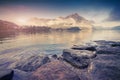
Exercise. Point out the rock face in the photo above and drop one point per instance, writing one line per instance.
(6, 74)
(55, 70)
(32, 63)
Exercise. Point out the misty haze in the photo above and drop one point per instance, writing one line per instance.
(59, 40)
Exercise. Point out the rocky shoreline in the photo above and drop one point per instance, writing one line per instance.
(98, 60)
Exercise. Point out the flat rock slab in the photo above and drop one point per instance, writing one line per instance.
(84, 47)
(6, 74)
(31, 64)
(55, 70)
(108, 50)
(108, 47)
(105, 43)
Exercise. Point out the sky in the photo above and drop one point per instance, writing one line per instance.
(102, 12)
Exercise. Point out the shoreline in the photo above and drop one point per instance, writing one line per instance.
(98, 60)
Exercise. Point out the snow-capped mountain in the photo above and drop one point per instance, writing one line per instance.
(73, 20)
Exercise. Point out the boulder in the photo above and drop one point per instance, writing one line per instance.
(32, 63)
(6, 74)
(78, 58)
(55, 70)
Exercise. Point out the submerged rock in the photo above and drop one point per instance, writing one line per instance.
(6, 74)
(32, 63)
(55, 70)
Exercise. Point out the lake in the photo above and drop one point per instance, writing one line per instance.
(51, 42)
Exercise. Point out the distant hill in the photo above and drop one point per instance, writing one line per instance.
(7, 26)
(116, 28)
(106, 28)
(63, 22)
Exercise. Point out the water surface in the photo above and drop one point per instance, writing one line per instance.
(52, 42)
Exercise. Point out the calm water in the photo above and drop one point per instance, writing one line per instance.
(51, 43)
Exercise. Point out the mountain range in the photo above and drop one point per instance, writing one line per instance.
(73, 20)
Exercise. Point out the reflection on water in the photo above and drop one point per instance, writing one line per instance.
(6, 35)
(106, 35)
(52, 42)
